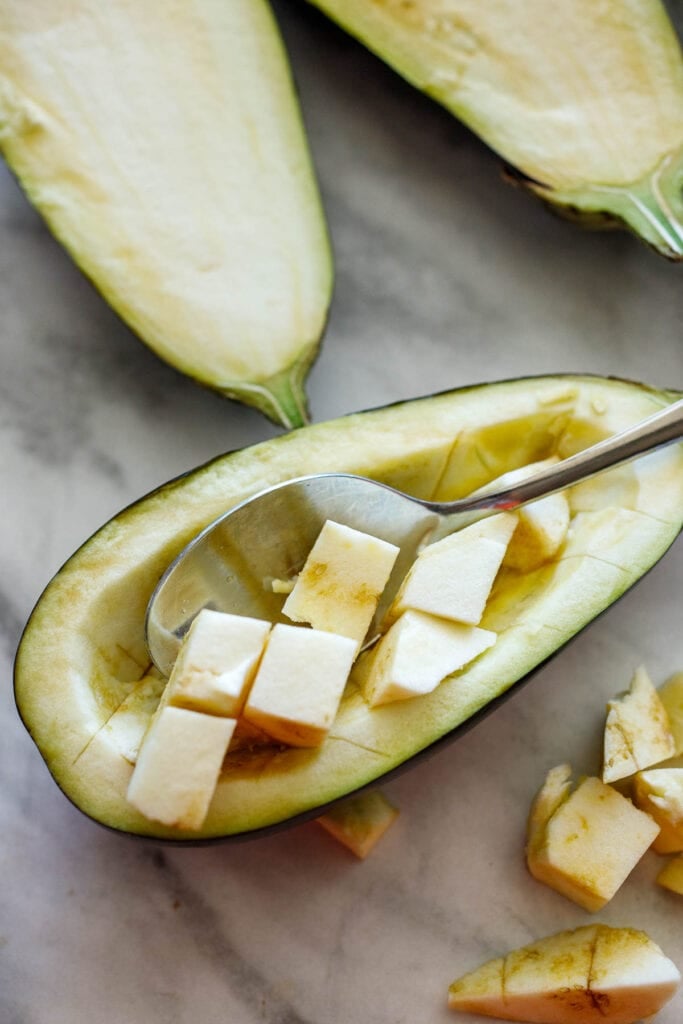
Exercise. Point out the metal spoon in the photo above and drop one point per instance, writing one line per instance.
(231, 564)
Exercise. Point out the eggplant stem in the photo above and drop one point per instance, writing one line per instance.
(282, 397)
(652, 207)
(654, 189)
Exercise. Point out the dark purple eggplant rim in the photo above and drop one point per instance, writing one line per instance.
(427, 752)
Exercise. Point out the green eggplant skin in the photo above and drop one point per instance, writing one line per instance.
(584, 100)
(165, 149)
(83, 683)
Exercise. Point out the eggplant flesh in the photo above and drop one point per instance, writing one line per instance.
(83, 682)
(163, 144)
(583, 99)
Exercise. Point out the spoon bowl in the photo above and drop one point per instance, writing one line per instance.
(242, 561)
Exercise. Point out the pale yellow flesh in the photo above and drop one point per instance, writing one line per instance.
(163, 144)
(671, 696)
(659, 793)
(341, 582)
(299, 684)
(453, 577)
(590, 975)
(417, 653)
(637, 732)
(217, 663)
(671, 876)
(83, 652)
(360, 822)
(571, 94)
(540, 534)
(178, 766)
(589, 842)
(553, 793)
(584, 99)
(542, 526)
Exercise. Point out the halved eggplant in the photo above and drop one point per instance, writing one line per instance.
(84, 687)
(583, 99)
(163, 145)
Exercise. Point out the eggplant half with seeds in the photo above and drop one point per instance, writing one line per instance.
(84, 685)
(163, 145)
(583, 99)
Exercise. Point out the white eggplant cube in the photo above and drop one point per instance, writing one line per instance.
(453, 577)
(542, 526)
(659, 792)
(299, 684)
(584, 844)
(418, 652)
(541, 532)
(217, 663)
(342, 580)
(178, 766)
(637, 731)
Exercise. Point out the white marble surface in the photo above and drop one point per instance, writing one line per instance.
(445, 276)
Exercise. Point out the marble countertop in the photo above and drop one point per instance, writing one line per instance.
(445, 276)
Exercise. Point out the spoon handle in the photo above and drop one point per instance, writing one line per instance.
(662, 428)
